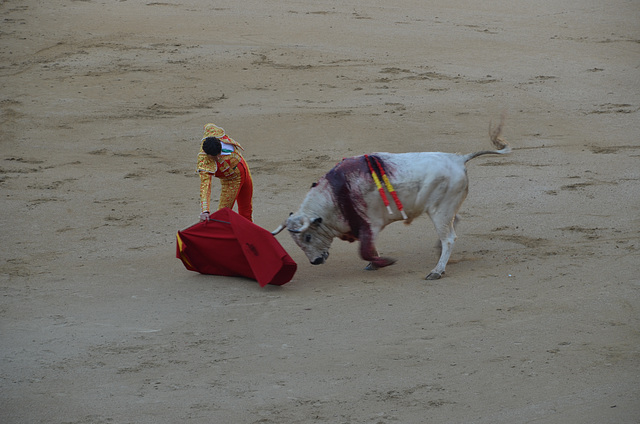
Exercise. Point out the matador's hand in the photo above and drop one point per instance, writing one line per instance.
(204, 216)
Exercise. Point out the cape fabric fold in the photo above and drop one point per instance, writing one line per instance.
(231, 245)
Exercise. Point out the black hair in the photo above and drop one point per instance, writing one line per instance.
(212, 146)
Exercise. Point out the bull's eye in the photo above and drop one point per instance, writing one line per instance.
(307, 238)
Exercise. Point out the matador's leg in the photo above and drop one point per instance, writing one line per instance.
(229, 192)
(245, 195)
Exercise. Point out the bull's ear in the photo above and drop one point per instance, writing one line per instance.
(317, 220)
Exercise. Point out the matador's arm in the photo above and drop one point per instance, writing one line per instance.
(205, 190)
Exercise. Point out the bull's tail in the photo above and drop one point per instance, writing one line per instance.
(496, 138)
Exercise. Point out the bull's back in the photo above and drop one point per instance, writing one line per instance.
(420, 166)
(424, 178)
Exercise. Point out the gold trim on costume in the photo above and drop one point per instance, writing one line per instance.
(207, 163)
(205, 191)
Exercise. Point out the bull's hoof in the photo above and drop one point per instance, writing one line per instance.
(382, 262)
(379, 263)
(433, 276)
(370, 267)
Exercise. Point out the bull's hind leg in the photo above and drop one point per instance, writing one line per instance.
(456, 220)
(444, 224)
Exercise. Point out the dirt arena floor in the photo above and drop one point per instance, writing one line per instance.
(102, 106)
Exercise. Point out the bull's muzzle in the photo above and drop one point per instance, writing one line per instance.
(320, 259)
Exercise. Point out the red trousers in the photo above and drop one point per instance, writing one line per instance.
(238, 189)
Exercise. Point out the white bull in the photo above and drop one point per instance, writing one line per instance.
(345, 203)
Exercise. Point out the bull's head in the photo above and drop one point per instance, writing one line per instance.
(309, 235)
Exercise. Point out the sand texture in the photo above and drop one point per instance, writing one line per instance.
(102, 104)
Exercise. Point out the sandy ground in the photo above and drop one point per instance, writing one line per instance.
(102, 105)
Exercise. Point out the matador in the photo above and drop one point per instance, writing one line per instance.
(221, 156)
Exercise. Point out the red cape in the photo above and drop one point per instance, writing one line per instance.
(231, 245)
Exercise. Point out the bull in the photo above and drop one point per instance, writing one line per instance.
(346, 203)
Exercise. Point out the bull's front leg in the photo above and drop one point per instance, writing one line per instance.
(371, 266)
(368, 251)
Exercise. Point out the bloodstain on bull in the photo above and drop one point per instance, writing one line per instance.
(346, 181)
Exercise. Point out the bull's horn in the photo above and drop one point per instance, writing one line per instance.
(280, 228)
(306, 223)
